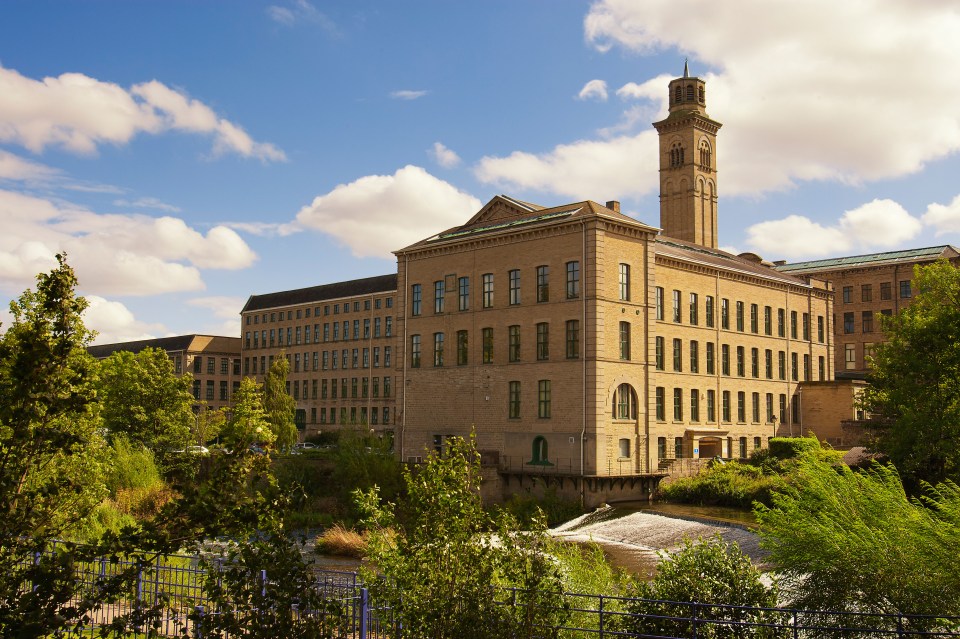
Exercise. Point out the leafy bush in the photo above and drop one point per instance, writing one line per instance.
(853, 541)
(730, 484)
(132, 467)
(792, 447)
(447, 560)
(710, 573)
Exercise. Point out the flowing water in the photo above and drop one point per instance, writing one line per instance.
(633, 537)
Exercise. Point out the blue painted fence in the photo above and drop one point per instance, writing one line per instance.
(175, 584)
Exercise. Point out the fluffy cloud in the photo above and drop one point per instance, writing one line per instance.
(407, 94)
(221, 306)
(377, 214)
(809, 95)
(79, 113)
(444, 156)
(600, 170)
(945, 218)
(880, 224)
(593, 90)
(114, 322)
(13, 167)
(112, 254)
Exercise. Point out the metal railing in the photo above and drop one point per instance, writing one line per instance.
(176, 586)
(571, 466)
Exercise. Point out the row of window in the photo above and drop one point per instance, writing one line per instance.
(696, 396)
(678, 451)
(342, 388)
(866, 321)
(543, 399)
(275, 316)
(461, 287)
(886, 292)
(323, 360)
(571, 343)
(211, 368)
(741, 361)
(351, 415)
(211, 388)
(294, 336)
(799, 322)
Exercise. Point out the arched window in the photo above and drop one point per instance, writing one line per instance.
(690, 92)
(625, 402)
(705, 155)
(539, 452)
(678, 94)
(702, 100)
(676, 155)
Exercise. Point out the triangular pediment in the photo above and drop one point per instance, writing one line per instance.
(502, 208)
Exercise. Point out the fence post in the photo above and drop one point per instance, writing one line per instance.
(694, 620)
(198, 624)
(899, 625)
(601, 616)
(36, 562)
(364, 611)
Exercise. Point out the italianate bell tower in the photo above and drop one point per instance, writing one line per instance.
(688, 164)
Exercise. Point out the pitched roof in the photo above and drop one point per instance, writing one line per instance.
(177, 343)
(335, 290)
(872, 259)
(503, 213)
(688, 251)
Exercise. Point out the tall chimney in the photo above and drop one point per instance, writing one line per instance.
(614, 206)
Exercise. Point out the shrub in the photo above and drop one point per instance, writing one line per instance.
(133, 466)
(792, 447)
(343, 542)
(716, 576)
(556, 509)
(730, 484)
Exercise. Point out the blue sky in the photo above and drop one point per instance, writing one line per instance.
(189, 154)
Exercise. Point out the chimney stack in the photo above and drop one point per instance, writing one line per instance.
(614, 206)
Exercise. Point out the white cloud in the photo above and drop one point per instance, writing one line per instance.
(301, 11)
(14, 167)
(265, 229)
(444, 156)
(112, 254)
(600, 170)
(945, 218)
(148, 203)
(221, 306)
(811, 94)
(880, 223)
(594, 90)
(114, 322)
(407, 94)
(79, 113)
(377, 214)
(876, 224)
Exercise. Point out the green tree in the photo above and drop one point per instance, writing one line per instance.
(853, 541)
(248, 423)
(445, 560)
(361, 461)
(143, 399)
(914, 392)
(52, 457)
(717, 577)
(280, 406)
(207, 425)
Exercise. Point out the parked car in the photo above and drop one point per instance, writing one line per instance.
(306, 446)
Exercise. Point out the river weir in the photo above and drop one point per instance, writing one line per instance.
(633, 539)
